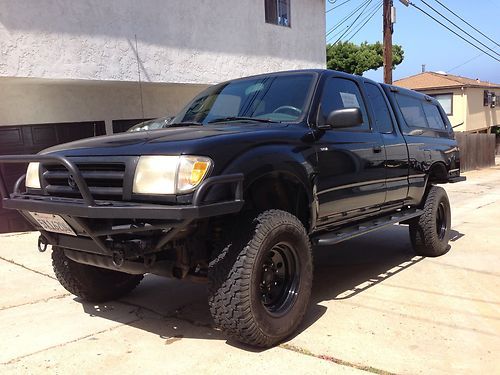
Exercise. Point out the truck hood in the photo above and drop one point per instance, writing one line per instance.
(169, 141)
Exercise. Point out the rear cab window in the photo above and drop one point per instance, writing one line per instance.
(412, 111)
(433, 116)
(420, 113)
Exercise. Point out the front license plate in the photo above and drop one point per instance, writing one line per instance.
(53, 223)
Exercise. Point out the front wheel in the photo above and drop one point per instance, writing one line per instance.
(430, 233)
(260, 282)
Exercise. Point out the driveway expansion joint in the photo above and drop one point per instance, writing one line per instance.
(337, 361)
(27, 268)
(17, 359)
(59, 296)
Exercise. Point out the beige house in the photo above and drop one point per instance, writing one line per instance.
(471, 104)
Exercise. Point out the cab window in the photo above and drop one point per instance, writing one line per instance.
(383, 118)
(340, 93)
(433, 116)
(412, 111)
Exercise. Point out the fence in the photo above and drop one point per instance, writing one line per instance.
(476, 150)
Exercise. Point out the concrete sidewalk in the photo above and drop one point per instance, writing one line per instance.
(375, 308)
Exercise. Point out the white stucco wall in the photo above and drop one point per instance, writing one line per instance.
(39, 101)
(188, 41)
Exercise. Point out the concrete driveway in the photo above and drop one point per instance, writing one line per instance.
(375, 308)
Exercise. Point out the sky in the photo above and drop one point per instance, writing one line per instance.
(426, 42)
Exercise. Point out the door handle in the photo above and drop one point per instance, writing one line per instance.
(377, 149)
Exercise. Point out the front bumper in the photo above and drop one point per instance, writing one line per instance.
(88, 207)
(104, 209)
(93, 219)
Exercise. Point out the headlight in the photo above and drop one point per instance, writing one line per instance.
(169, 174)
(32, 176)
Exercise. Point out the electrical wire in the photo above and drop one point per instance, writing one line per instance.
(456, 15)
(367, 13)
(366, 20)
(347, 17)
(458, 27)
(333, 36)
(460, 36)
(355, 20)
(335, 7)
(465, 62)
(370, 12)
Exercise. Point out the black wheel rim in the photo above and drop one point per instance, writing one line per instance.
(279, 280)
(441, 220)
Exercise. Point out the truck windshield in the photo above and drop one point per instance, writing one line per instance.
(275, 98)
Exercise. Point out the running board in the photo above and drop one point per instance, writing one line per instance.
(363, 227)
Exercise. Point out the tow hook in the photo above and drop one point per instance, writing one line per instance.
(42, 243)
(118, 258)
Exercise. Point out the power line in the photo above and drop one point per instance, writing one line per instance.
(456, 15)
(353, 22)
(362, 22)
(347, 17)
(368, 18)
(335, 7)
(458, 27)
(466, 62)
(338, 33)
(460, 36)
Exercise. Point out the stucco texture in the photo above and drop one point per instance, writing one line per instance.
(189, 41)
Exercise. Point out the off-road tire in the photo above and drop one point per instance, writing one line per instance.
(91, 283)
(430, 233)
(244, 263)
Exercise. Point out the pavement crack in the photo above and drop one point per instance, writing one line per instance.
(486, 204)
(27, 268)
(59, 296)
(335, 360)
(17, 359)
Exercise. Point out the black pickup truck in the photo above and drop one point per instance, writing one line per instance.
(238, 188)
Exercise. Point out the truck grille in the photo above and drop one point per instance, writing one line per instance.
(105, 180)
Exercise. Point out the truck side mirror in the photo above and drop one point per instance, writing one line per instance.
(343, 118)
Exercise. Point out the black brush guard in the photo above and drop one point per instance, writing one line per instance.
(79, 212)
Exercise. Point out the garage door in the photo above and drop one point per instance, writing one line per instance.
(30, 139)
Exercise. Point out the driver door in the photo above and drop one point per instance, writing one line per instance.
(351, 173)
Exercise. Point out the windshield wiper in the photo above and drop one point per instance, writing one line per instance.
(240, 118)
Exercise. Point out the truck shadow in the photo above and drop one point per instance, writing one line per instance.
(174, 310)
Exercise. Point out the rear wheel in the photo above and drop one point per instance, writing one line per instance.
(260, 282)
(430, 233)
(91, 283)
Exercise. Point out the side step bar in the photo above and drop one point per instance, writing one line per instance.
(345, 233)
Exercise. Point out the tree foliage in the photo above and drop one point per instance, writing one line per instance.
(356, 59)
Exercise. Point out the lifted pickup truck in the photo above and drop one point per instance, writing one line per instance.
(244, 181)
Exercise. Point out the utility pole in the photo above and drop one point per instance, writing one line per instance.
(388, 20)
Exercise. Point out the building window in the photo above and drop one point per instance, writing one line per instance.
(278, 12)
(446, 101)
